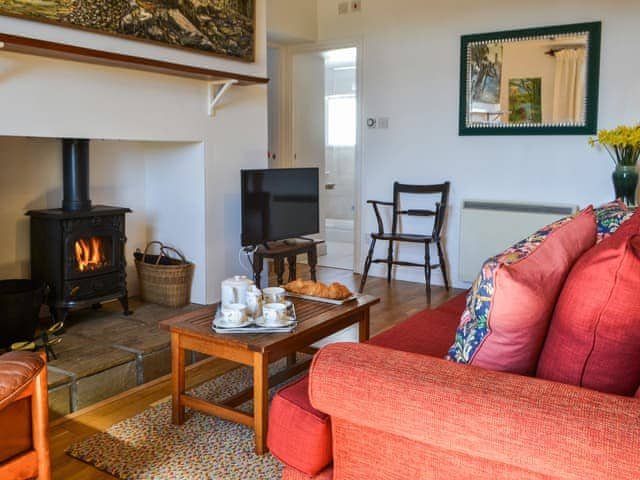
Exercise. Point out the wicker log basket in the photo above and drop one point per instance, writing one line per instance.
(164, 279)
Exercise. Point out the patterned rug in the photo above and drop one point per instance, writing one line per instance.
(147, 446)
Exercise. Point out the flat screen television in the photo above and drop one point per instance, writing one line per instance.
(279, 203)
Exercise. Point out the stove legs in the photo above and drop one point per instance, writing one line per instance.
(124, 301)
(59, 314)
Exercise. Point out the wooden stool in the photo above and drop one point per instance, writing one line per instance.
(286, 250)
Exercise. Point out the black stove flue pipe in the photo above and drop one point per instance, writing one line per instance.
(75, 171)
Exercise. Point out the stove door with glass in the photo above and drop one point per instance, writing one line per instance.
(93, 253)
(80, 255)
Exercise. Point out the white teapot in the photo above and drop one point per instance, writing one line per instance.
(234, 290)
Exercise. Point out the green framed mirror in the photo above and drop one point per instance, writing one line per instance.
(536, 81)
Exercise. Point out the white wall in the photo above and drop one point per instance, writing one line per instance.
(31, 179)
(42, 97)
(174, 189)
(292, 21)
(411, 74)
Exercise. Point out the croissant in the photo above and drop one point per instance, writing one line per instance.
(338, 291)
(335, 291)
(295, 286)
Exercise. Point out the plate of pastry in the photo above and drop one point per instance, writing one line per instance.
(335, 293)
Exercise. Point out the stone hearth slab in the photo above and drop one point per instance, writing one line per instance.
(151, 313)
(60, 385)
(127, 332)
(105, 384)
(82, 357)
(104, 352)
(56, 378)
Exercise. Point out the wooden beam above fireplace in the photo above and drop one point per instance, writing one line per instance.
(44, 48)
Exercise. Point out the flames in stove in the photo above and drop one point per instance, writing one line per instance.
(90, 254)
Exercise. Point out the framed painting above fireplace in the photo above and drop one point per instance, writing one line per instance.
(217, 27)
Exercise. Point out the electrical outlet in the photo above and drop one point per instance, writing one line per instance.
(383, 123)
(356, 5)
(343, 8)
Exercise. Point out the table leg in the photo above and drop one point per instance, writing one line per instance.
(312, 259)
(260, 408)
(279, 266)
(177, 380)
(291, 359)
(292, 267)
(363, 326)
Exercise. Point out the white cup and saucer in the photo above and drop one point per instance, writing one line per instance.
(274, 315)
(233, 315)
(273, 295)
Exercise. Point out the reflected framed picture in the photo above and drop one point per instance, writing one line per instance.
(217, 27)
(486, 72)
(525, 100)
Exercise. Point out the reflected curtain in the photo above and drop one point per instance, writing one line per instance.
(569, 86)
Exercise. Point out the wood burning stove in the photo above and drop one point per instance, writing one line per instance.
(78, 250)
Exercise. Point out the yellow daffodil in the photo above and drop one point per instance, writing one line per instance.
(621, 143)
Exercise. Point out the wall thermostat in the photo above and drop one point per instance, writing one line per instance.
(371, 122)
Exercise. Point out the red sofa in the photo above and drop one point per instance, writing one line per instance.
(394, 409)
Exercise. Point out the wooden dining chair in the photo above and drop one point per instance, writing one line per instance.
(438, 213)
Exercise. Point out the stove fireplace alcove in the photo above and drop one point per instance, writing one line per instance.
(78, 250)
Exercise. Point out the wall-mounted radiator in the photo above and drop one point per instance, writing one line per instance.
(488, 227)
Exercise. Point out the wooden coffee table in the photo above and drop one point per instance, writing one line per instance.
(192, 331)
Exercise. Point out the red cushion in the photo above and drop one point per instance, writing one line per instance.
(429, 332)
(511, 303)
(290, 473)
(298, 434)
(594, 337)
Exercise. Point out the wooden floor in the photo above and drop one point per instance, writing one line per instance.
(398, 300)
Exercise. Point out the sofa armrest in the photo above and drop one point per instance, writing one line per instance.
(547, 427)
(17, 370)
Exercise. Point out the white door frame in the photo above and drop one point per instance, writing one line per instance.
(287, 125)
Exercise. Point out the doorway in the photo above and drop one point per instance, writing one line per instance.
(324, 129)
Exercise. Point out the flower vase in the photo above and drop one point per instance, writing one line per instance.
(625, 181)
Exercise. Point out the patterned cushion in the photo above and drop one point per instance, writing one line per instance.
(299, 435)
(594, 336)
(511, 302)
(609, 218)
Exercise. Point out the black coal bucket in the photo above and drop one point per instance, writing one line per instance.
(20, 302)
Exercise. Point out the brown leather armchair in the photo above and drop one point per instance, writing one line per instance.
(24, 417)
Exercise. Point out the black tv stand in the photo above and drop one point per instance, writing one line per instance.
(279, 251)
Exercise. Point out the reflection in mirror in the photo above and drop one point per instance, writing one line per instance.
(530, 81)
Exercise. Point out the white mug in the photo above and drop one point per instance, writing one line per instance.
(234, 313)
(273, 314)
(273, 294)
